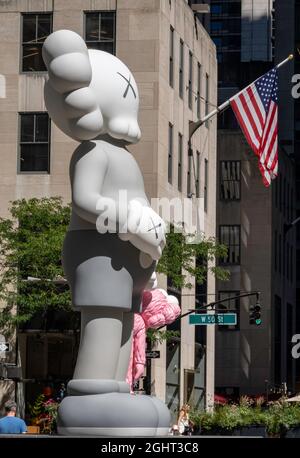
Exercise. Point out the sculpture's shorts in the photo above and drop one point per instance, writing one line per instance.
(102, 270)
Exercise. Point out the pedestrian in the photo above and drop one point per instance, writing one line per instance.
(185, 425)
(10, 424)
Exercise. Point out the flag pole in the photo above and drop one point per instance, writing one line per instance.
(193, 126)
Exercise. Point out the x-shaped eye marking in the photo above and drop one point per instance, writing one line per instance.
(129, 85)
(154, 227)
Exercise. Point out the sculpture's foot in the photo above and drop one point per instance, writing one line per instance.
(113, 414)
(79, 387)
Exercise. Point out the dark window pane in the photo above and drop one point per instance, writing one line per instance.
(92, 27)
(100, 31)
(230, 180)
(230, 236)
(41, 132)
(107, 27)
(36, 28)
(102, 46)
(27, 128)
(216, 9)
(34, 158)
(32, 58)
(29, 28)
(44, 27)
(170, 155)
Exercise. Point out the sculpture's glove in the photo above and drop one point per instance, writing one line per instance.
(145, 229)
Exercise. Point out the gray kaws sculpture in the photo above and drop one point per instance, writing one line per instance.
(93, 98)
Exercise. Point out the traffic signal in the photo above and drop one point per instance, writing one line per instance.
(255, 314)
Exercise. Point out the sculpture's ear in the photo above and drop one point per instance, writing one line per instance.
(67, 60)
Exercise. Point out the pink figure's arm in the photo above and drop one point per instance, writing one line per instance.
(139, 360)
(138, 332)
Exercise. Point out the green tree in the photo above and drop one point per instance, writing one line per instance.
(178, 259)
(30, 243)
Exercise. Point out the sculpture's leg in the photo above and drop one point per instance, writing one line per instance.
(98, 355)
(98, 403)
(125, 351)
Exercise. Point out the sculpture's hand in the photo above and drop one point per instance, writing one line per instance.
(145, 229)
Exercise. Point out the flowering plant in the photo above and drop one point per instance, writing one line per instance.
(44, 414)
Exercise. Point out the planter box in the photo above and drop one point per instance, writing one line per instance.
(292, 433)
(250, 431)
(217, 432)
(246, 431)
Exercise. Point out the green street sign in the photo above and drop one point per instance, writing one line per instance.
(203, 319)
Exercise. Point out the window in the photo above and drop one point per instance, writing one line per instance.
(230, 237)
(34, 142)
(190, 85)
(288, 261)
(189, 172)
(198, 175)
(283, 255)
(198, 90)
(288, 201)
(170, 155)
(100, 30)
(181, 68)
(205, 184)
(289, 335)
(171, 63)
(275, 250)
(279, 253)
(207, 94)
(277, 340)
(230, 180)
(280, 192)
(35, 30)
(179, 162)
(230, 306)
(284, 195)
(292, 265)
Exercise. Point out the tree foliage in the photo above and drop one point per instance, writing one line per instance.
(30, 243)
(178, 259)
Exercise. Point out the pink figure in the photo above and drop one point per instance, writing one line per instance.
(158, 309)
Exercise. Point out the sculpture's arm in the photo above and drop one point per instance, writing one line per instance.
(87, 180)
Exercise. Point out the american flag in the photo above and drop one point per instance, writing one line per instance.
(256, 109)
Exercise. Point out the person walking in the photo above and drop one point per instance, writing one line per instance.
(10, 424)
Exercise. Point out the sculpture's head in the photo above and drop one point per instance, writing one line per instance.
(89, 93)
